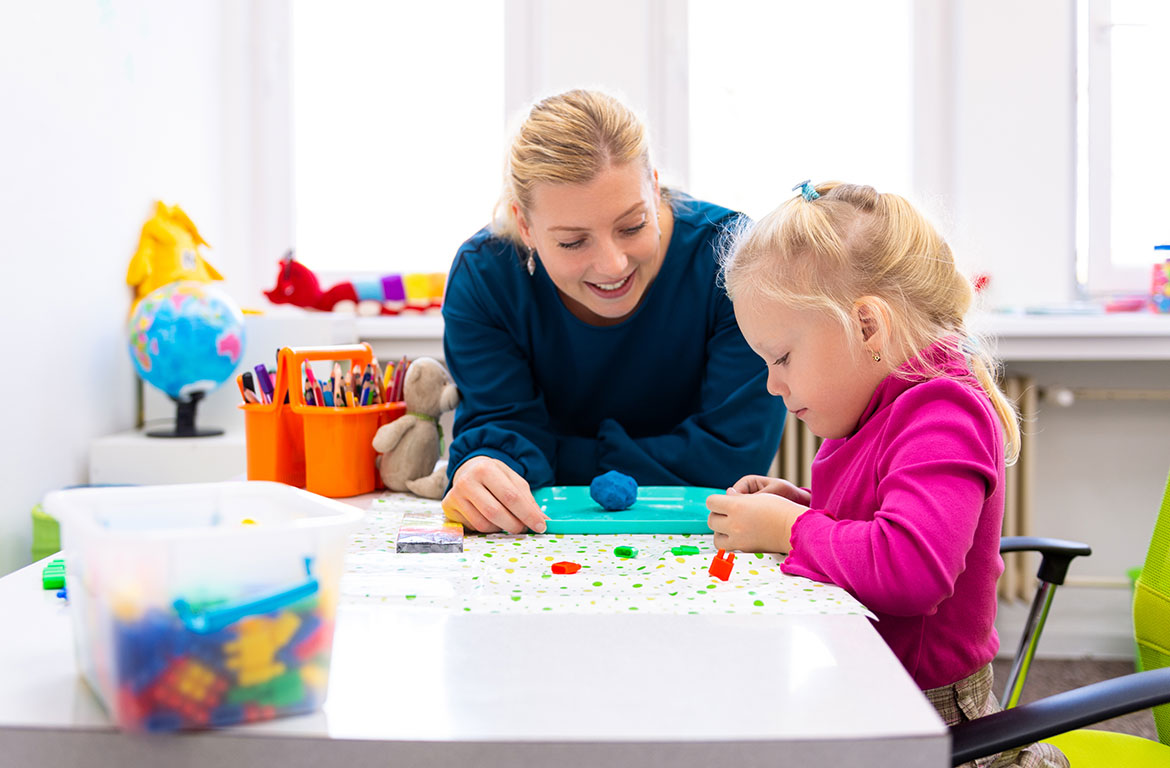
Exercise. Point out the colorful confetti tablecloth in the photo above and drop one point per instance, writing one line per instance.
(503, 573)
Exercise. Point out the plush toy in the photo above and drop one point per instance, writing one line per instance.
(409, 446)
(168, 250)
(296, 284)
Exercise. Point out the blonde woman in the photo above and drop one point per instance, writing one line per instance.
(586, 330)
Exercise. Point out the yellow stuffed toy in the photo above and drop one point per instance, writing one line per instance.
(168, 250)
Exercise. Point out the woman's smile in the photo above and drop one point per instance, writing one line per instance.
(614, 290)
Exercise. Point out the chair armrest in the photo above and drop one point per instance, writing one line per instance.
(1058, 714)
(1055, 554)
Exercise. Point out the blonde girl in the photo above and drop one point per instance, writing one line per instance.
(853, 301)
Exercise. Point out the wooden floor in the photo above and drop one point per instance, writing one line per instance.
(1049, 676)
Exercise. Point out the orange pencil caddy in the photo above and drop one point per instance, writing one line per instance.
(324, 449)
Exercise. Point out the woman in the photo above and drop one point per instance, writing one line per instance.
(586, 330)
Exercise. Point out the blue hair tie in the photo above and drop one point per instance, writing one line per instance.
(807, 190)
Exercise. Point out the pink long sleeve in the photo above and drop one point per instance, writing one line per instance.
(906, 515)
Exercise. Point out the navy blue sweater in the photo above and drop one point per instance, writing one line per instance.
(672, 395)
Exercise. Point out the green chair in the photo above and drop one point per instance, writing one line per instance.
(1053, 718)
(46, 534)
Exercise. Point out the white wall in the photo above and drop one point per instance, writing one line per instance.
(1100, 469)
(107, 106)
(996, 130)
(624, 47)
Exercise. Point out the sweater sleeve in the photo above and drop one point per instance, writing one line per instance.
(934, 474)
(734, 432)
(500, 413)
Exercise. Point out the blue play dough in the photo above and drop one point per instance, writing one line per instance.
(614, 491)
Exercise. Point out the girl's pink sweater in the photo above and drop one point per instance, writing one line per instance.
(906, 515)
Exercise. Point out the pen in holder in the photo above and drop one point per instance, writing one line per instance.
(324, 449)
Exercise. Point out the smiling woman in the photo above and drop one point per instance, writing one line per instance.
(603, 240)
(587, 332)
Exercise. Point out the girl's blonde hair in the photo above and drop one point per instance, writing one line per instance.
(567, 139)
(852, 242)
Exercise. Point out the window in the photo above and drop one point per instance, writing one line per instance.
(1123, 196)
(399, 110)
(782, 92)
(398, 130)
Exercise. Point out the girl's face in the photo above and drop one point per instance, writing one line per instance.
(825, 374)
(600, 242)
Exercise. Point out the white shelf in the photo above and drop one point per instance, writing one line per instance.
(407, 326)
(133, 458)
(412, 335)
(1118, 336)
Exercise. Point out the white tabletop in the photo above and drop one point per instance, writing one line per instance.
(428, 687)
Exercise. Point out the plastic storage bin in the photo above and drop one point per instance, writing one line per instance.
(324, 449)
(205, 605)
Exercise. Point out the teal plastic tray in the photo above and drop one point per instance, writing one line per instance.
(659, 509)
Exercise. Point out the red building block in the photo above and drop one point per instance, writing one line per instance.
(721, 565)
(565, 567)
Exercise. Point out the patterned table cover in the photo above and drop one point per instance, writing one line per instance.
(504, 573)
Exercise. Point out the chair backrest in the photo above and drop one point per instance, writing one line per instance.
(1151, 608)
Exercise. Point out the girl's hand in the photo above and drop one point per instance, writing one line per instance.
(753, 522)
(773, 485)
(487, 495)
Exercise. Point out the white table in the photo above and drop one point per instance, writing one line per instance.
(427, 687)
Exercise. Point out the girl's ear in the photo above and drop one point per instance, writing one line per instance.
(873, 323)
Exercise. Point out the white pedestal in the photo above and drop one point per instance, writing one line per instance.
(132, 457)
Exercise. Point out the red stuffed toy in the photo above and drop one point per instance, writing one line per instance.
(297, 285)
(387, 295)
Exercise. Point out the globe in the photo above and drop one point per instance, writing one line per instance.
(186, 338)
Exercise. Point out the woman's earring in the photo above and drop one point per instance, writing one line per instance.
(876, 357)
(531, 264)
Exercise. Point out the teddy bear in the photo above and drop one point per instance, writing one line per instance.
(409, 447)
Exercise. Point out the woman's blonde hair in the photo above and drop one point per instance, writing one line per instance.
(852, 242)
(567, 139)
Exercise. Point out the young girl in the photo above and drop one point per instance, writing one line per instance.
(853, 301)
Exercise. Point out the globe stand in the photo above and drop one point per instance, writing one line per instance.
(185, 421)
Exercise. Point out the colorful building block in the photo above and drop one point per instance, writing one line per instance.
(252, 655)
(53, 574)
(721, 565)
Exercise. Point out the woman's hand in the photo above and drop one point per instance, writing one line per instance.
(773, 485)
(487, 495)
(754, 522)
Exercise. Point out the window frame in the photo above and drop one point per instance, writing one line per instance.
(1097, 275)
(942, 158)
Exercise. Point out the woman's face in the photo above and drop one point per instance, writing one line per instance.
(600, 242)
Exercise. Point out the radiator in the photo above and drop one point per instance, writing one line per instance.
(1018, 581)
(798, 446)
